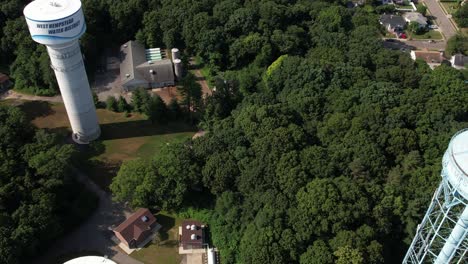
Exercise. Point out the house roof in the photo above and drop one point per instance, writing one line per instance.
(134, 64)
(392, 20)
(428, 56)
(157, 71)
(3, 77)
(460, 60)
(187, 232)
(416, 17)
(136, 224)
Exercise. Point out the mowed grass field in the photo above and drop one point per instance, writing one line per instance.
(122, 138)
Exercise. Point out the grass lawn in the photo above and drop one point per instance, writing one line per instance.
(451, 7)
(431, 34)
(122, 138)
(167, 251)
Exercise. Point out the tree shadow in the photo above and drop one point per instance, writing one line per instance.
(34, 109)
(167, 223)
(141, 128)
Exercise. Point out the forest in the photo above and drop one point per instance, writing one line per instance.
(321, 145)
(39, 201)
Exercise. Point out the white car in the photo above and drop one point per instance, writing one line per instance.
(433, 26)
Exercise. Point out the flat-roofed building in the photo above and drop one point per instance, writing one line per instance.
(193, 235)
(147, 68)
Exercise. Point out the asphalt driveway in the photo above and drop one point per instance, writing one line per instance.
(94, 234)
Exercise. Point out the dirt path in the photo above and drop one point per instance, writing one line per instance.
(93, 235)
(206, 91)
(10, 94)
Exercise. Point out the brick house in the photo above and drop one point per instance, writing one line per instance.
(133, 231)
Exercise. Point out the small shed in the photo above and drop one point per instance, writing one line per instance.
(193, 234)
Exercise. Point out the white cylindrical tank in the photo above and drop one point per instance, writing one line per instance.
(455, 169)
(59, 24)
(178, 69)
(211, 256)
(175, 54)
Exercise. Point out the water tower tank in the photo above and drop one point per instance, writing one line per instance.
(59, 24)
(442, 235)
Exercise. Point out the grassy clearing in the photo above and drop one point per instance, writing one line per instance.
(431, 34)
(122, 138)
(167, 250)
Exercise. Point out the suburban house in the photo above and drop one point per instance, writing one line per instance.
(147, 68)
(432, 58)
(415, 17)
(5, 82)
(192, 235)
(392, 23)
(459, 61)
(136, 229)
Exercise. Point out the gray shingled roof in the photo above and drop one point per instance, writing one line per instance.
(460, 60)
(392, 20)
(133, 65)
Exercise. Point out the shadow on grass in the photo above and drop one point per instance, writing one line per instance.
(34, 109)
(167, 223)
(102, 172)
(141, 128)
(169, 243)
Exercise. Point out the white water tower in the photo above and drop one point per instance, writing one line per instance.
(59, 24)
(442, 236)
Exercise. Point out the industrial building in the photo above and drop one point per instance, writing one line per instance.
(147, 68)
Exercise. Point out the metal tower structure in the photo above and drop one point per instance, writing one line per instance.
(59, 24)
(441, 237)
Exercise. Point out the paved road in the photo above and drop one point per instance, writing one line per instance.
(414, 44)
(448, 30)
(93, 235)
(423, 44)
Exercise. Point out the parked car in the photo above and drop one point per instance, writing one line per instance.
(433, 27)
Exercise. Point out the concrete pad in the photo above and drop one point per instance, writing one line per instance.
(195, 259)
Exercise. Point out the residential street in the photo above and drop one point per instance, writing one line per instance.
(448, 30)
(414, 44)
(93, 235)
(423, 44)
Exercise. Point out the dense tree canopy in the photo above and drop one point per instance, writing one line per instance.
(38, 199)
(321, 145)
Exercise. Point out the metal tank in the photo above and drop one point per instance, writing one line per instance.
(441, 237)
(175, 54)
(178, 69)
(59, 24)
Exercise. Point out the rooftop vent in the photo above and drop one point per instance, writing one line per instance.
(144, 218)
(150, 62)
(151, 71)
(193, 237)
(187, 227)
(193, 227)
(127, 75)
